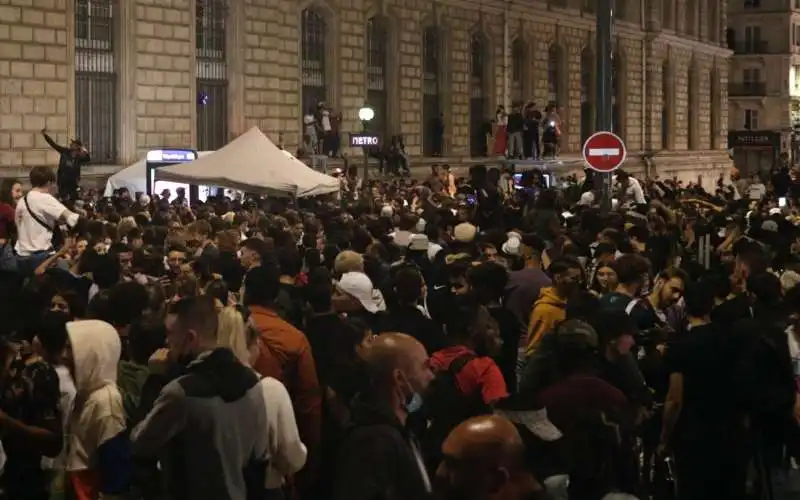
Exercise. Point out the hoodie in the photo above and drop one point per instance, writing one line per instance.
(209, 429)
(549, 310)
(98, 457)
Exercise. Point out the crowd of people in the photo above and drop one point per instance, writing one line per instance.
(454, 338)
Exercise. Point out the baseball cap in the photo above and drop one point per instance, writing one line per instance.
(359, 286)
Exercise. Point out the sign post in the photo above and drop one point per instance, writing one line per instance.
(604, 31)
(604, 152)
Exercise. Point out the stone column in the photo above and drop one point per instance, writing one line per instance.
(235, 49)
(125, 59)
(70, 42)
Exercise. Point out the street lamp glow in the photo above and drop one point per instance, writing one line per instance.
(366, 114)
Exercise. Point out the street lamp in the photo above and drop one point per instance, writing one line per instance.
(365, 114)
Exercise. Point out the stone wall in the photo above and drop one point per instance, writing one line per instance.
(33, 74)
(157, 70)
(164, 73)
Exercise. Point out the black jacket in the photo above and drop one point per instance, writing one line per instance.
(764, 376)
(411, 321)
(377, 458)
(69, 163)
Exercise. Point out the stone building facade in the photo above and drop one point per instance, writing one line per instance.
(765, 81)
(670, 58)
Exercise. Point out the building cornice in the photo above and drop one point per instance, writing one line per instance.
(690, 44)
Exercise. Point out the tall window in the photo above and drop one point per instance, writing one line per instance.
(377, 96)
(751, 119)
(588, 6)
(691, 19)
(96, 99)
(620, 11)
(431, 91)
(692, 111)
(517, 70)
(667, 14)
(314, 28)
(587, 94)
(714, 99)
(712, 18)
(616, 96)
(752, 39)
(554, 79)
(212, 74)
(478, 103)
(666, 104)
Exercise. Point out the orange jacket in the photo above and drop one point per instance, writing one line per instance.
(286, 355)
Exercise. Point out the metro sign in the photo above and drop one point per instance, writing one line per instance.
(604, 152)
(365, 140)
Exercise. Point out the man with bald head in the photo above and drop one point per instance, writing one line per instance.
(379, 458)
(483, 460)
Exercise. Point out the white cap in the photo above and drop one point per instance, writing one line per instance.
(359, 286)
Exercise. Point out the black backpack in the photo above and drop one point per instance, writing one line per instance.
(446, 407)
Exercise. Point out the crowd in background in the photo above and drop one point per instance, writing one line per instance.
(484, 337)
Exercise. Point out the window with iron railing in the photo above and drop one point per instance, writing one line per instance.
(314, 34)
(431, 90)
(478, 103)
(377, 81)
(96, 81)
(211, 73)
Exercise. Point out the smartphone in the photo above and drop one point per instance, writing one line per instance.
(782, 201)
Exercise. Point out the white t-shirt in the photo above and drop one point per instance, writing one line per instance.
(32, 236)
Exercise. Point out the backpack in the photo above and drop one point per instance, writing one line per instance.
(446, 406)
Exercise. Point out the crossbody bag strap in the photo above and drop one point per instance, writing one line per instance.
(36, 217)
(631, 305)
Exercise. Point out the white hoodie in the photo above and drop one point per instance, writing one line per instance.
(98, 415)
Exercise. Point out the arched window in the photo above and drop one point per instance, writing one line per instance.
(432, 143)
(554, 74)
(96, 88)
(211, 73)
(617, 98)
(587, 94)
(715, 109)
(377, 81)
(314, 35)
(666, 104)
(478, 96)
(692, 111)
(518, 70)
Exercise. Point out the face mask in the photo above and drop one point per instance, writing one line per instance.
(414, 403)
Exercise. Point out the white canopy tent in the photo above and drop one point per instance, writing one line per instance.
(253, 163)
(134, 177)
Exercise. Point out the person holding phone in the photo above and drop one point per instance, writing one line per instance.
(69, 166)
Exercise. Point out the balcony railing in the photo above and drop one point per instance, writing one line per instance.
(744, 89)
(750, 47)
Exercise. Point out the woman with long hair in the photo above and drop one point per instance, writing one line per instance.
(287, 453)
(10, 193)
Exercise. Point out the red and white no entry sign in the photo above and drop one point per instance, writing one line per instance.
(604, 152)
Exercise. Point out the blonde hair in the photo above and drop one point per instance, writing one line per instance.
(232, 333)
(348, 261)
